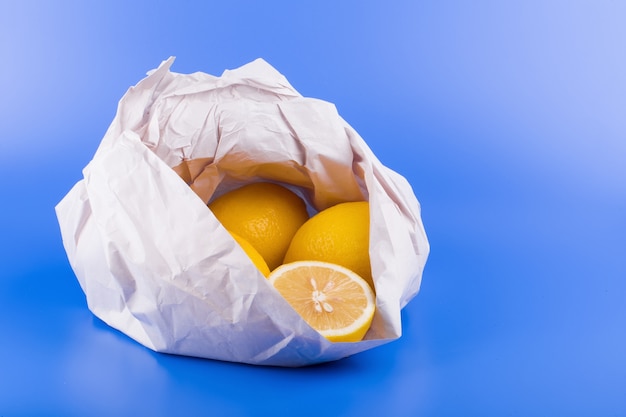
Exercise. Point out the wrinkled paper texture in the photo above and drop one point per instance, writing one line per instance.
(156, 264)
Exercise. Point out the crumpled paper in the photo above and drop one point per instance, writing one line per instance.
(156, 264)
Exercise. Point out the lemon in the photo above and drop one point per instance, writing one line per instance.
(265, 214)
(252, 253)
(339, 235)
(333, 300)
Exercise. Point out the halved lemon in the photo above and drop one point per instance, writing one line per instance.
(332, 299)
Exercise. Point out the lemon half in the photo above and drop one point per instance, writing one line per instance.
(333, 300)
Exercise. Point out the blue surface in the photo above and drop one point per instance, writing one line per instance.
(509, 121)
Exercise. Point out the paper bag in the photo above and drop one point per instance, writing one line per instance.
(156, 264)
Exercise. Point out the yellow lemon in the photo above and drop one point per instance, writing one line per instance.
(252, 253)
(333, 300)
(339, 235)
(265, 214)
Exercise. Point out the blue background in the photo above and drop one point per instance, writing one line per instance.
(507, 118)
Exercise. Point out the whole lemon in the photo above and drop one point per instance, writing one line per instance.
(252, 253)
(265, 214)
(339, 235)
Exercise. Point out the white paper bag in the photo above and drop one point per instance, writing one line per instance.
(156, 264)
